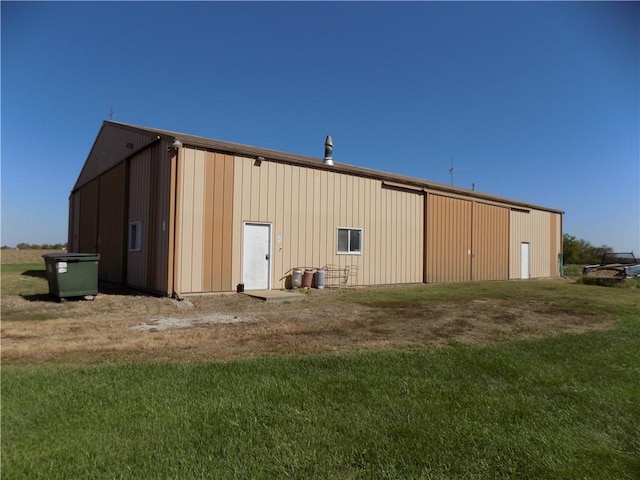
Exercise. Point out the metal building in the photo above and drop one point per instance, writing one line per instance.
(176, 214)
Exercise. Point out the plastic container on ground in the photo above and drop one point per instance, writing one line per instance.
(307, 278)
(296, 278)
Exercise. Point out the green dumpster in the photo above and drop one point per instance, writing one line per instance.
(72, 274)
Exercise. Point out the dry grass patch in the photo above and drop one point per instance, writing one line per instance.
(133, 328)
(127, 326)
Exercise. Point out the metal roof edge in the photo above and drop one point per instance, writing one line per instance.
(84, 165)
(105, 124)
(317, 163)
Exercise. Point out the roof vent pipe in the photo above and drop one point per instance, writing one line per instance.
(328, 151)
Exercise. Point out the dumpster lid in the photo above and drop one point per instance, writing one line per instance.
(69, 256)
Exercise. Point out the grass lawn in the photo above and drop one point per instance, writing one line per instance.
(563, 407)
(23, 279)
(566, 406)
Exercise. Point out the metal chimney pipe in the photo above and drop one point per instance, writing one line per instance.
(328, 151)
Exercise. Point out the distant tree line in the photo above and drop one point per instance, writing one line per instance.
(577, 251)
(35, 246)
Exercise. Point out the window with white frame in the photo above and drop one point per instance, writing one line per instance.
(349, 241)
(135, 236)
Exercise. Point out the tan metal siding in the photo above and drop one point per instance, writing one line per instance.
(555, 240)
(218, 193)
(532, 228)
(209, 232)
(448, 239)
(306, 206)
(112, 215)
(191, 214)
(205, 231)
(490, 251)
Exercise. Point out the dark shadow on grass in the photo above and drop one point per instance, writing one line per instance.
(40, 297)
(104, 288)
(35, 273)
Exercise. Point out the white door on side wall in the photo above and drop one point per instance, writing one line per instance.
(256, 260)
(524, 260)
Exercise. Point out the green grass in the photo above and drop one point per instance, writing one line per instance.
(564, 407)
(560, 295)
(573, 271)
(24, 279)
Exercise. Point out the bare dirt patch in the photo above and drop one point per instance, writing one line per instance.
(134, 327)
(125, 325)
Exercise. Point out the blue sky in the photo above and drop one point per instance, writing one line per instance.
(538, 102)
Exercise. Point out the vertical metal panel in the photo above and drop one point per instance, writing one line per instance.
(555, 241)
(197, 235)
(192, 211)
(149, 203)
(227, 224)
(531, 227)
(490, 251)
(215, 220)
(161, 209)
(73, 241)
(217, 197)
(111, 230)
(139, 196)
(159, 218)
(448, 239)
(88, 232)
(206, 218)
(208, 228)
(540, 258)
(308, 208)
(185, 213)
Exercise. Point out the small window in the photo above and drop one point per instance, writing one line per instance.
(350, 241)
(135, 236)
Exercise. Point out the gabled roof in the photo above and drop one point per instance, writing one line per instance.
(141, 136)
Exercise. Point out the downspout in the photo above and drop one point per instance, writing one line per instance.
(425, 233)
(472, 250)
(175, 249)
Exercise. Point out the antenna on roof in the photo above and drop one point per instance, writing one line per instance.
(451, 168)
(112, 115)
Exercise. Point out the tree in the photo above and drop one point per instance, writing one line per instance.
(46, 246)
(577, 251)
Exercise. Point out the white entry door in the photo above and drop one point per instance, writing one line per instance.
(256, 260)
(524, 260)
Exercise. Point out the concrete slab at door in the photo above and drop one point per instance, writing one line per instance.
(256, 260)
